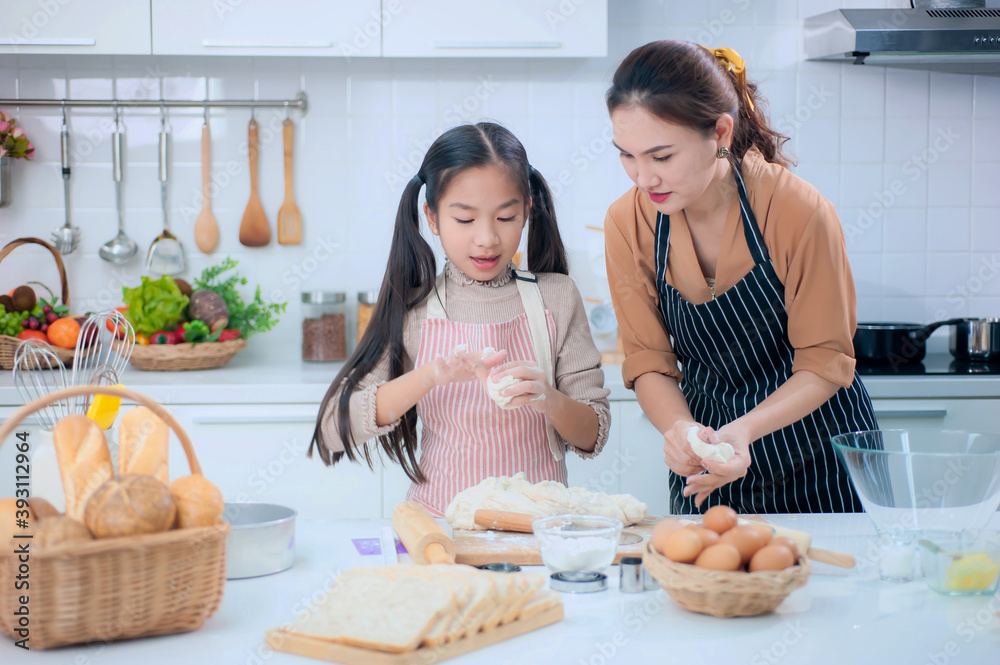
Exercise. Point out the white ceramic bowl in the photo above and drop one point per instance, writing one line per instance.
(577, 542)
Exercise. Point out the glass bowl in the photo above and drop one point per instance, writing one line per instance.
(577, 542)
(960, 563)
(911, 480)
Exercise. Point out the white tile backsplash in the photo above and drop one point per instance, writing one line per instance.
(882, 144)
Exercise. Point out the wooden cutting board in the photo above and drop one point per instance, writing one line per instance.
(481, 547)
(314, 647)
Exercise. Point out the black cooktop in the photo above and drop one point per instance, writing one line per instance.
(934, 364)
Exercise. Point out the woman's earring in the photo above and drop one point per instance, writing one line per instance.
(722, 152)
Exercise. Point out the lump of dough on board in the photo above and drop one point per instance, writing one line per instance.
(717, 452)
(515, 494)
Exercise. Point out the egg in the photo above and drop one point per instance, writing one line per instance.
(682, 546)
(771, 557)
(746, 539)
(719, 519)
(721, 556)
(708, 537)
(764, 530)
(661, 530)
(787, 542)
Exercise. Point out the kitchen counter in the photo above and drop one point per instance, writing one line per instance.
(838, 617)
(271, 375)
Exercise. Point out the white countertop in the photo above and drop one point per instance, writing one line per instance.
(838, 617)
(264, 374)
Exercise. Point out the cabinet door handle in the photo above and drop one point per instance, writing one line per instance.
(485, 45)
(253, 420)
(911, 413)
(215, 43)
(49, 41)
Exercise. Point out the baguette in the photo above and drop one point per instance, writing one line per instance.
(143, 440)
(84, 461)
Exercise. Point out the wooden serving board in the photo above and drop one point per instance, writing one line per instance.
(314, 647)
(481, 547)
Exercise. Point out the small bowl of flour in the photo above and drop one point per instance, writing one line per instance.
(577, 542)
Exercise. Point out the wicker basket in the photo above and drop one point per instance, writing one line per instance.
(116, 588)
(174, 357)
(723, 593)
(8, 344)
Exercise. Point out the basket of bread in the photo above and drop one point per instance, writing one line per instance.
(133, 556)
(722, 568)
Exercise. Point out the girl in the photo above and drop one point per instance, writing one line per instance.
(724, 264)
(429, 349)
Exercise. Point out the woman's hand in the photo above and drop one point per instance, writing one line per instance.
(533, 387)
(722, 473)
(461, 365)
(677, 451)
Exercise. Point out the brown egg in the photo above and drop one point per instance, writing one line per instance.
(682, 546)
(708, 537)
(661, 530)
(721, 556)
(787, 542)
(771, 557)
(763, 529)
(746, 539)
(719, 519)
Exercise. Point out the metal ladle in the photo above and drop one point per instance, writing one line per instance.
(121, 248)
(67, 237)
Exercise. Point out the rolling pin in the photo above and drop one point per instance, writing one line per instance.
(504, 521)
(422, 536)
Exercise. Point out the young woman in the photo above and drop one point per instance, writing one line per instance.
(436, 340)
(731, 285)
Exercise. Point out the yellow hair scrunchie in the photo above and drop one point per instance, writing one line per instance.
(733, 63)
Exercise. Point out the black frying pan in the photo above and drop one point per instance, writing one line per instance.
(894, 343)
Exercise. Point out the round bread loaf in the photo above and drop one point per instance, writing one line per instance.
(41, 508)
(130, 505)
(199, 502)
(54, 531)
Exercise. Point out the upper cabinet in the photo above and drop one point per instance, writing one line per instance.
(495, 28)
(116, 27)
(350, 28)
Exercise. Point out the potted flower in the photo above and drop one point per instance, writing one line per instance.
(13, 145)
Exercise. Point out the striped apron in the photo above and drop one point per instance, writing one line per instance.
(734, 352)
(465, 436)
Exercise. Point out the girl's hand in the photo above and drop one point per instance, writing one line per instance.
(532, 389)
(461, 365)
(677, 451)
(719, 473)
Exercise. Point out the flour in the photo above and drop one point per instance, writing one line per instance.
(584, 553)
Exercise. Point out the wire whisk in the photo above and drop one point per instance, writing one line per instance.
(37, 372)
(105, 345)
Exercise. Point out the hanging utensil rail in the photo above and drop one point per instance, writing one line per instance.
(301, 102)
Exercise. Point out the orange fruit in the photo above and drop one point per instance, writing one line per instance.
(121, 327)
(32, 334)
(63, 332)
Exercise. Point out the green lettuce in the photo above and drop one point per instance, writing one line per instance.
(154, 305)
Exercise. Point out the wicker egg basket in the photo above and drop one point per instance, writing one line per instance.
(724, 593)
(8, 344)
(116, 588)
(185, 356)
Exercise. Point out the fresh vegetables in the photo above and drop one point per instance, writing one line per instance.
(208, 306)
(22, 311)
(198, 331)
(164, 337)
(154, 305)
(249, 318)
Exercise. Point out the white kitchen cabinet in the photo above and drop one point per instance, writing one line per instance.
(495, 28)
(979, 415)
(79, 27)
(351, 28)
(644, 474)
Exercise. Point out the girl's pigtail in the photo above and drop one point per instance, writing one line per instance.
(546, 252)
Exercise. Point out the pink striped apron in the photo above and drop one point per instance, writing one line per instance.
(465, 436)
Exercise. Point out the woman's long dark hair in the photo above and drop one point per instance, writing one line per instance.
(685, 84)
(411, 271)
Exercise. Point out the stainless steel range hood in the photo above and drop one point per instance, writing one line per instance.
(959, 40)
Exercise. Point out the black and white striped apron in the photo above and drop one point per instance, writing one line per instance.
(734, 352)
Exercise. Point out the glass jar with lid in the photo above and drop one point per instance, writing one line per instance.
(324, 326)
(366, 305)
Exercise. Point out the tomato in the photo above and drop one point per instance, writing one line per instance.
(121, 328)
(33, 334)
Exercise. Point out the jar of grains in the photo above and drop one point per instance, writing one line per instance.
(324, 326)
(366, 305)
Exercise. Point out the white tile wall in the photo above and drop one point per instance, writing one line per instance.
(911, 159)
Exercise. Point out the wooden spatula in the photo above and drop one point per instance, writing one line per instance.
(206, 230)
(254, 229)
(289, 218)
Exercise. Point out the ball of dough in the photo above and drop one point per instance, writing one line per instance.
(717, 452)
(199, 502)
(494, 388)
(130, 505)
(51, 532)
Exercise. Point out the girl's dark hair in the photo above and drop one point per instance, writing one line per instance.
(411, 271)
(685, 84)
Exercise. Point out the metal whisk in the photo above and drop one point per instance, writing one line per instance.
(37, 372)
(105, 345)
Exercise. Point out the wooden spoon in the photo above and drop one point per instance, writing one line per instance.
(254, 229)
(289, 218)
(206, 230)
